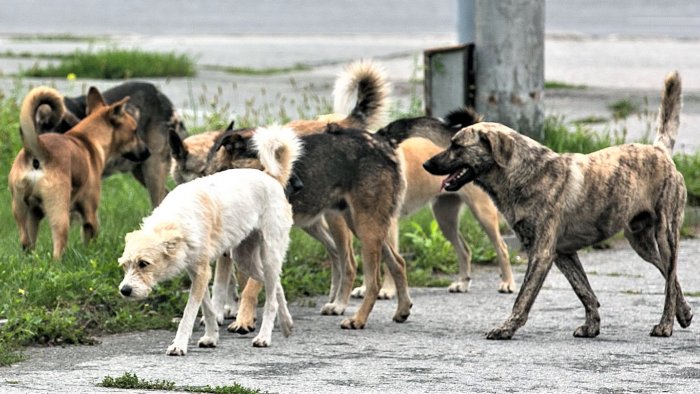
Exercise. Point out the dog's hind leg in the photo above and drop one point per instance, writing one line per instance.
(200, 274)
(486, 214)
(572, 269)
(272, 250)
(345, 264)
(152, 174)
(58, 214)
(247, 254)
(331, 233)
(397, 268)
(211, 326)
(389, 285)
(446, 210)
(286, 322)
(372, 235)
(27, 224)
(642, 238)
(220, 289)
(91, 224)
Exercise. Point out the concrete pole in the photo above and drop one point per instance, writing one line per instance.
(465, 21)
(509, 37)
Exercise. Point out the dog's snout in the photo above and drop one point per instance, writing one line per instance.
(125, 290)
(428, 166)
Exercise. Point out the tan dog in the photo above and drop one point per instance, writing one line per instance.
(558, 204)
(57, 175)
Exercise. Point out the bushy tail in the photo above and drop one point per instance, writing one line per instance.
(364, 82)
(437, 131)
(669, 112)
(278, 148)
(52, 103)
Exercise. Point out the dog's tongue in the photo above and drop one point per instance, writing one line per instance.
(446, 181)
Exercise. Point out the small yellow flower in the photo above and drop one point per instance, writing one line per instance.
(71, 76)
(21, 291)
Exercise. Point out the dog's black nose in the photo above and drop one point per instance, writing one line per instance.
(125, 290)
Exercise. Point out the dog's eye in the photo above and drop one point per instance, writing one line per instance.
(143, 263)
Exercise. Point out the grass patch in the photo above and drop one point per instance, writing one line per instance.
(118, 64)
(259, 71)
(691, 293)
(590, 120)
(58, 37)
(562, 137)
(562, 85)
(622, 109)
(10, 54)
(131, 381)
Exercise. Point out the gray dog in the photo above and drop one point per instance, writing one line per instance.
(558, 204)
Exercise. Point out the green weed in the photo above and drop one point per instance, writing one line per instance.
(622, 109)
(117, 63)
(562, 85)
(131, 381)
(259, 71)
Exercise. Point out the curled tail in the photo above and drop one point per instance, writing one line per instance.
(50, 105)
(437, 131)
(669, 112)
(278, 148)
(365, 82)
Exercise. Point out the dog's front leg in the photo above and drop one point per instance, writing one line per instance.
(200, 276)
(540, 262)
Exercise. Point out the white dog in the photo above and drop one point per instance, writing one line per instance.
(241, 209)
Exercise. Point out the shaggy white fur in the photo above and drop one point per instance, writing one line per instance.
(243, 210)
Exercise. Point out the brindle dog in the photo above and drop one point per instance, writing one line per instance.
(558, 204)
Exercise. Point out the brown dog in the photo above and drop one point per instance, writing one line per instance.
(558, 204)
(57, 175)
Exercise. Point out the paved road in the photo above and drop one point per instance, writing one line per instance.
(442, 347)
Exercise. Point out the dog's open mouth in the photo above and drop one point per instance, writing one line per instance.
(457, 179)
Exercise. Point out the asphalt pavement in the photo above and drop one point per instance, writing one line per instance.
(441, 348)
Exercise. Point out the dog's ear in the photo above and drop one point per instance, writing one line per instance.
(177, 148)
(502, 145)
(94, 100)
(117, 111)
(171, 237)
(230, 126)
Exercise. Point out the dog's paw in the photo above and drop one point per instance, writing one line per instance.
(230, 311)
(386, 294)
(352, 324)
(175, 350)
(506, 287)
(587, 331)
(260, 341)
(500, 333)
(358, 292)
(662, 330)
(332, 309)
(684, 314)
(459, 286)
(207, 341)
(240, 328)
(401, 317)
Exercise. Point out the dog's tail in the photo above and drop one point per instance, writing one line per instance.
(437, 131)
(366, 83)
(50, 104)
(278, 148)
(669, 112)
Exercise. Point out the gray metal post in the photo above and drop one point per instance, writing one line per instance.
(509, 39)
(465, 21)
